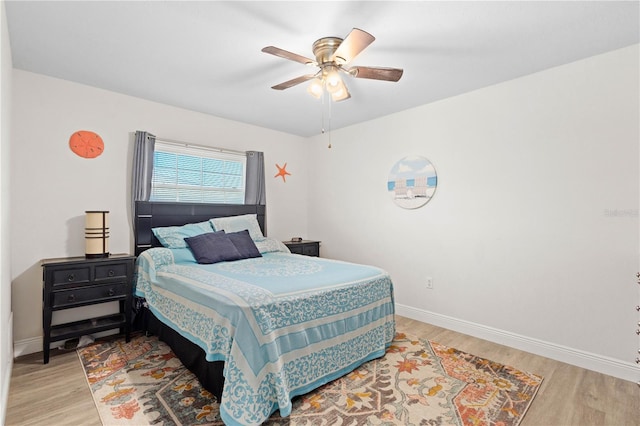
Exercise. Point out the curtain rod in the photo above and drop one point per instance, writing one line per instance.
(188, 144)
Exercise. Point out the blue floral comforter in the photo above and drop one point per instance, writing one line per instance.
(283, 323)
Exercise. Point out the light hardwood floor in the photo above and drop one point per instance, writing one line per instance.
(57, 393)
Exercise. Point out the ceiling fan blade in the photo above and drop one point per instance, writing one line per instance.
(376, 73)
(293, 82)
(288, 55)
(355, 42)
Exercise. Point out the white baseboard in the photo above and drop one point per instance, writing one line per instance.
(602, 364)
(27, 346)
(34, 344)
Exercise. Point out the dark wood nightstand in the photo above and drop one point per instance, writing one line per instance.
(305, 247)
(71, 282)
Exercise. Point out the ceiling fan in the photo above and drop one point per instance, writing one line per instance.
(332, 56)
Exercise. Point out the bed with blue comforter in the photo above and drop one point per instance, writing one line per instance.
(284, 324)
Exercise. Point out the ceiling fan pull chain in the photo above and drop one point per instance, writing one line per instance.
(326, 117)
(329, 118)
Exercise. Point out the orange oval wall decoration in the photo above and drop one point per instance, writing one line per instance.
(86, 144)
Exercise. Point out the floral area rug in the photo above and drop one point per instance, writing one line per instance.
(417, 382)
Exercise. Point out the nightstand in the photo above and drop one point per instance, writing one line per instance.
(77, 281)
(305, 247)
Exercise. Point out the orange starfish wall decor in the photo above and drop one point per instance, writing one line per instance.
(282, 171)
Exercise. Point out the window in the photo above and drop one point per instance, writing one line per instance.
(197, 175)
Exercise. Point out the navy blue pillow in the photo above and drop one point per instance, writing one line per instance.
(244, 244)
(212, 247)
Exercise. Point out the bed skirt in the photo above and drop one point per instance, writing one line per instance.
(209, 373)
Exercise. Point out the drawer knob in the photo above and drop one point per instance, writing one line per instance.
(111, 292)
(71, 277)
(111, 273)
(638, 308)
(71, 298)
(637, 360)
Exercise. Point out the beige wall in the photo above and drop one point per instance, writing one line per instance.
(52, 187)
(532, 236)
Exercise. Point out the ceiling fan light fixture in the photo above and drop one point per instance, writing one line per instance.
(341, 93)
(332, 54)
(315, 89)
(333, 80)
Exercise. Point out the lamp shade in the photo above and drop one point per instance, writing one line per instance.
(96, 233)
(315, 88)
(340, 93)
(332, 79)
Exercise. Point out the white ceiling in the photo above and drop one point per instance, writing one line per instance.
(205, 55)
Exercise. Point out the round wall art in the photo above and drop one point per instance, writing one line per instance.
(86, 144)
(412, 182)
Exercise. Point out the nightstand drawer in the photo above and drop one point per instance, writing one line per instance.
(295, 249)
(71, 275)
(115, 270)
(310, 250)
(79, 296)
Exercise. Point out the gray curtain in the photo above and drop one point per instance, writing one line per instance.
(254, 192)
(142, 167)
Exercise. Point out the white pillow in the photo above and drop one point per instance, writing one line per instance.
(270, 245)
(173, 236)
(239, 223)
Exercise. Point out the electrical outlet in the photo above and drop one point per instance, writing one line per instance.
(430, 283)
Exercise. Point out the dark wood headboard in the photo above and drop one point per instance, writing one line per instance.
(151, 214)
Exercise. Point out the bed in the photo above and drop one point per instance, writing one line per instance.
(259, 330)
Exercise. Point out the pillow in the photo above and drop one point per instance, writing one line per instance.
(173, 236)
(182, 255)
(244, 244)
(212, 247)
(270, 245)
(239, 223)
